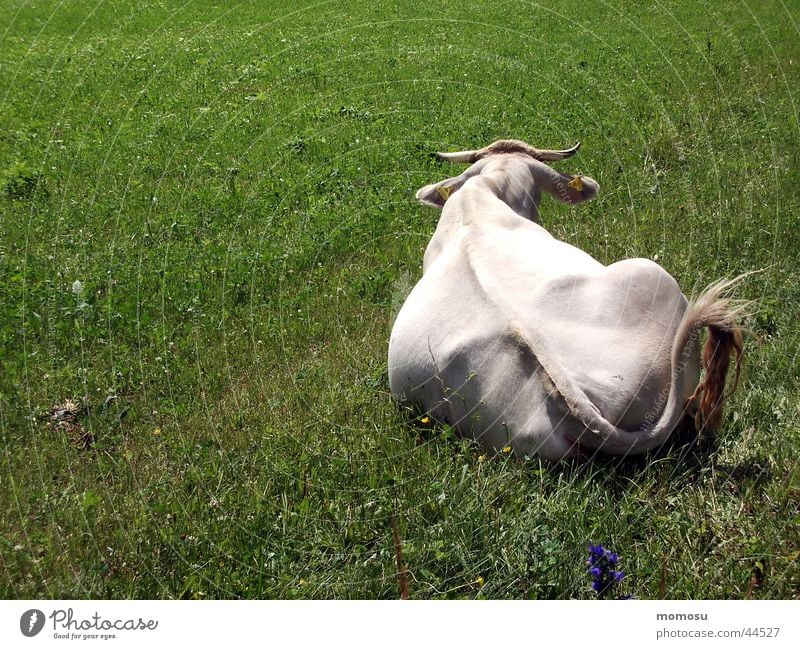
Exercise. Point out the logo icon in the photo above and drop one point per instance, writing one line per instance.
(31, 622)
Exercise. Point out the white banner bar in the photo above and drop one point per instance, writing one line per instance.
(399, 624)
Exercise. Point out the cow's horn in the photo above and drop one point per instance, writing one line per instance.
(459, 156)
(546, 155)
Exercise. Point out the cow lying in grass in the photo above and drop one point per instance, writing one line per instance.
(518, 339)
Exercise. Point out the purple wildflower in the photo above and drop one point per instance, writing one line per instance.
(602, 567)
(596, 551)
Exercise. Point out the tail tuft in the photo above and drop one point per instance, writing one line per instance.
(719, 314)
(716, 361)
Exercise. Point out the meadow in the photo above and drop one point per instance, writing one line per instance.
(207, 224)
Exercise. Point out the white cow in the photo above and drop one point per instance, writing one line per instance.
(519, 339)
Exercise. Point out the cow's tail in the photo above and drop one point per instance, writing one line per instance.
(716, 311)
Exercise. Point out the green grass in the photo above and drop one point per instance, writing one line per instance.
(232, 184)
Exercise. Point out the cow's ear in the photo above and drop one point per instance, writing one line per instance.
(577, 189)
(436, 195)
(566, 188)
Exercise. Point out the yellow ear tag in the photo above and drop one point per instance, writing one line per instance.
(576, 183)
(444, 191)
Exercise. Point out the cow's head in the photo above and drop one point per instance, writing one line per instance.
(516, 173)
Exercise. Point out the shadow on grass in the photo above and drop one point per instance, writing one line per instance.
(684, 458)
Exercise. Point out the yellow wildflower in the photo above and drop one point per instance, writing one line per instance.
(425, 420)
(507, 449)
(480, 581)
